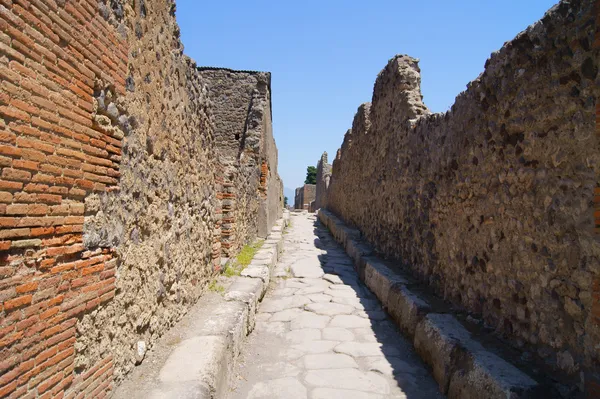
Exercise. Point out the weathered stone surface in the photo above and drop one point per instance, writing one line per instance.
(279, 388)
(350, 379)
(361, 349)
(309, 320)
(307, 268)
(329, 361)
(337, 334)
(490, 203)
(323, 356)
(406, 309)
(329, 393)
(329, 308)
(200, 360)
(462, 367)
(304, 334)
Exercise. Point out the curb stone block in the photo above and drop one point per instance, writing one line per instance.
(406, 308)
(249, 291)
(379, 278)
(257, 271)
(461, 366)
(196, 367)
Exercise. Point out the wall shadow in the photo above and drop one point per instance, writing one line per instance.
(397, 349)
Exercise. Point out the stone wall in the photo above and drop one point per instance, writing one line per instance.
(323, 178)
(111, 189)
(492, 202)
(247, 154)
(304, 196)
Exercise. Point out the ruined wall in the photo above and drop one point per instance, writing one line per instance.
(492, 203)
(304, 196)
(323, 178)
(247, 154)
(111, 189)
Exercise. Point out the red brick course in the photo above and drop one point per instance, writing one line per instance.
(52, 156)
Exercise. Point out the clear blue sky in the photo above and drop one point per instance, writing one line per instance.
(324, 55)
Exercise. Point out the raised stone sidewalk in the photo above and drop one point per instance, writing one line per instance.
(461, 365)
(196, 358)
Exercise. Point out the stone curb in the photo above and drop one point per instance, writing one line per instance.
(462, 367)
(201, 367)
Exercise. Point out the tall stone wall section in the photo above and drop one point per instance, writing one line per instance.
(492, 202)
(323, 178)
(111, 190)
(246, 152)
(304, 196)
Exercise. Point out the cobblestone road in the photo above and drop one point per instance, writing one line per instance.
(320, 333)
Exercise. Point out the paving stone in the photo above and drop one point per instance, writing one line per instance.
(319, 297)
(329, 361)
(277, 328)
(329, 308)
(284, 292)
(347, 378)
(272, 305)
(304, 334)
(279, 370)
(280, 388)
(329, 393)
(373, 315)
(342, 293)
(358, 303)
(333, 279)
(361, 349)
(388, 365)
(311, 290)
(309, 320)
(349, 321)
(307, 268)
(315, 346)
(295, 283)
(260, 317)
(337, 334)
(286, 315)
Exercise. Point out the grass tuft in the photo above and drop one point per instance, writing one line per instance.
(216, 287)
(234, 268)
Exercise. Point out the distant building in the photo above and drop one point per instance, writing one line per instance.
(304, 196)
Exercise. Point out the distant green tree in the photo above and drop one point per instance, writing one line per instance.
(285, 201)
(311, 175)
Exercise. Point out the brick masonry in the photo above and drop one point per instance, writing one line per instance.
(114, 206)
(53, 154)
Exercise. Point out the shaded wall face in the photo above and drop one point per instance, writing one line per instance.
(247, 154)
(492, 202)
(107, 191)
(323, 178)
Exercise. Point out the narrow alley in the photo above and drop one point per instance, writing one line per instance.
(320, 333)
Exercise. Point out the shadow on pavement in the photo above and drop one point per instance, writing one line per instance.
(398, 351)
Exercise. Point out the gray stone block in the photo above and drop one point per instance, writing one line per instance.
(463, 368)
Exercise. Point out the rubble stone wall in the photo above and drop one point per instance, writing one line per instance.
(111, 189)
(492, 202)
(323, 178)
(247, 154)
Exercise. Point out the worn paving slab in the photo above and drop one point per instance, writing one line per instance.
(320, 333)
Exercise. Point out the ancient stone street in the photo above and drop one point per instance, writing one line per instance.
(320, 333)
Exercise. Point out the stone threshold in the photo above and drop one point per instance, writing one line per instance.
(201, 365)
(462, 365)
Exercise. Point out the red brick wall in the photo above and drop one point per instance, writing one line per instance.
(52, 155)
